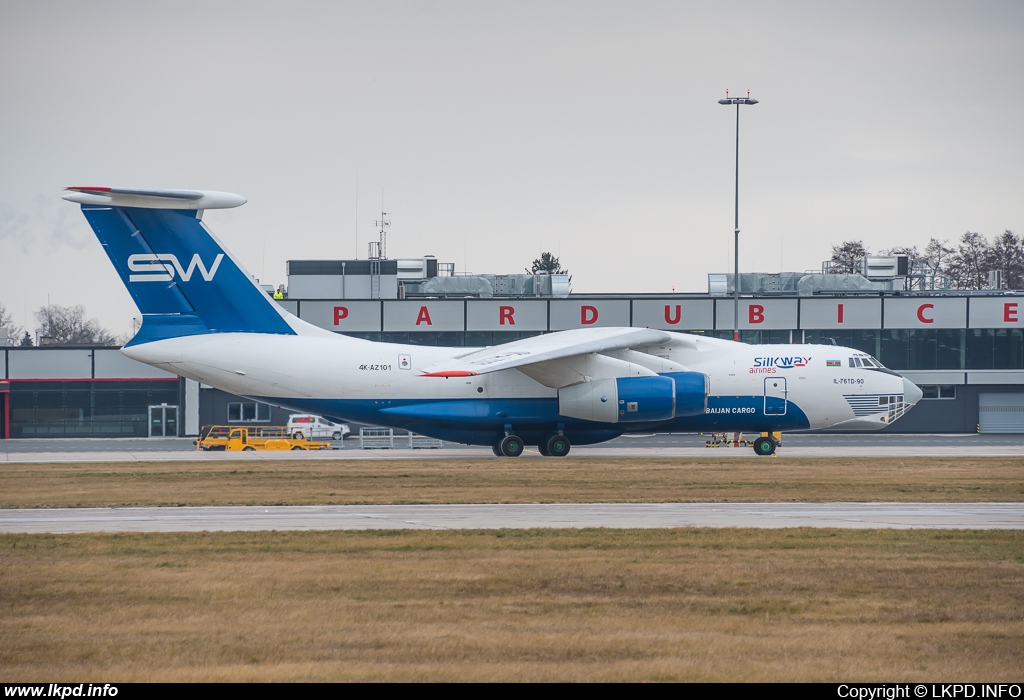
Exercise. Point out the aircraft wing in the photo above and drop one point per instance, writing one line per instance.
(543, 348)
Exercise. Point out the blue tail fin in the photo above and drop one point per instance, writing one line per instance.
(181, 278)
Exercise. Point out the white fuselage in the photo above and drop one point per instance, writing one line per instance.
(817, 381)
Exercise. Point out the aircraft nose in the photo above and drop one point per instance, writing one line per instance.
(911, 392)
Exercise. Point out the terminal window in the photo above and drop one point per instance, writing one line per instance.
(938, 391)
(248, 412)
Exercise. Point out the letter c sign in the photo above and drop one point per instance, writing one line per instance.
(920, 313)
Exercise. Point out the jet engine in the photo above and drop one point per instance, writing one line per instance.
(636, 399)
(623, 400)
(691, 393)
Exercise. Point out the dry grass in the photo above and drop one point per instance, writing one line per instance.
(544, 605)
(584, 605)
(512, 481)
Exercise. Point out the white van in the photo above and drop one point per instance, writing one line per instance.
(303, 426)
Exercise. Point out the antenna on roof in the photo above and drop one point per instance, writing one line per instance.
(378, 249)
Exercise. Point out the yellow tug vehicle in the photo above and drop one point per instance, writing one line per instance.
(234, 438)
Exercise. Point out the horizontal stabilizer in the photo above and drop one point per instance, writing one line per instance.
(192, 200)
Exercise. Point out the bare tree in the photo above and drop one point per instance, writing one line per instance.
(969, 264)
(67, 325)
(846, 257)
(1008, 257)
(7, 327)
(935, 260)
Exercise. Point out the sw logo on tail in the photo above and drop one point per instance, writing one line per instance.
(155, 267)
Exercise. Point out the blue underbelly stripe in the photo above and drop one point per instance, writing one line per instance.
(482, 421)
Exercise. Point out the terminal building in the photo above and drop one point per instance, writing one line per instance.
(964, 349)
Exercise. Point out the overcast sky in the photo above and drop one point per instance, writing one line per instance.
(498, 130)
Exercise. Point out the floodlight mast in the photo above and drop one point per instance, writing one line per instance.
(748, 100)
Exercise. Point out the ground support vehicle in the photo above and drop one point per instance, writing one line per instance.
(233, 438)
(310, 427)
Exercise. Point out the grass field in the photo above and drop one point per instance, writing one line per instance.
(544, 605)
(491, 480)
(568, 605)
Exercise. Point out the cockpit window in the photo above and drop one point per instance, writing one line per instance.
(865, 361)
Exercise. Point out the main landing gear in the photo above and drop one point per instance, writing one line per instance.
(512, 445)
(556, 446)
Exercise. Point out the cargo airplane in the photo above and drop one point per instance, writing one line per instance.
(207, 319)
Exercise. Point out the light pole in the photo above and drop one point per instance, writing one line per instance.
(748, 100)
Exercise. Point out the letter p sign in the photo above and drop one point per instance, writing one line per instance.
(340, 313)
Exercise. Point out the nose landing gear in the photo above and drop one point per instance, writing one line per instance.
(766, 444)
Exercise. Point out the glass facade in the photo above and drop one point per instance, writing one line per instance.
(93, 408)
(940, 349)
(868, 341)
(999, 348)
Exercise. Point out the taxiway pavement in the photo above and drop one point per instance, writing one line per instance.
(650, 446)
(516, 516)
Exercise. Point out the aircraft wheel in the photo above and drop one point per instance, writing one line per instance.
(496, 450)
(558, 446)
(543, 449)
(764, 446)
(511, 446)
